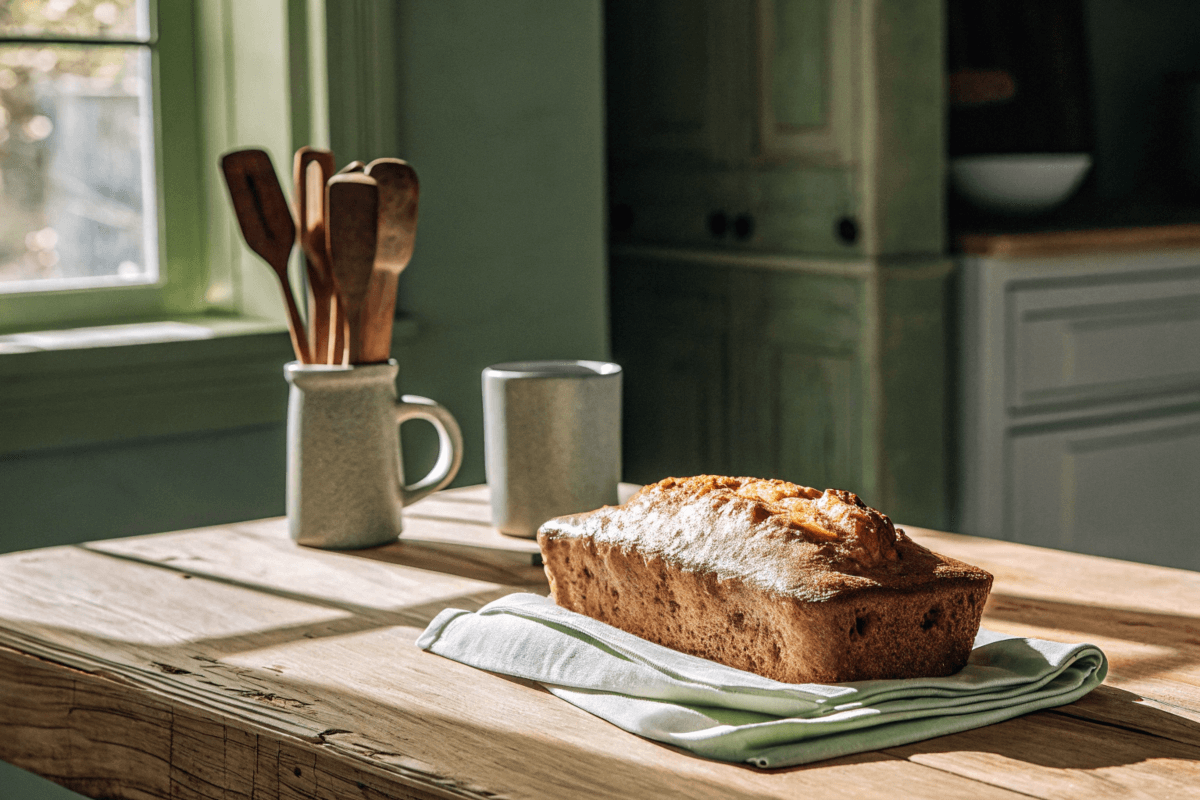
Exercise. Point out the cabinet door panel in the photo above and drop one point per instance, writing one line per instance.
(817, 409)
(797, 379)
(822, 311)
(1119, 490)
(809, 89)
(799, 55)
(1105, 339)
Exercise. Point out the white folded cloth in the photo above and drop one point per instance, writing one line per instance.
(724, 713)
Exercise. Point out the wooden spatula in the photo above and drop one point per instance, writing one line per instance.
(267, 226)
(352, 200)
(312, 168)
(399, 192)
(353, 166)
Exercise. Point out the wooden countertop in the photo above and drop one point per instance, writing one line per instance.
(229, 663)
(1076, 242)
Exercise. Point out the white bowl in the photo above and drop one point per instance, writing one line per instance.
(1019, 183)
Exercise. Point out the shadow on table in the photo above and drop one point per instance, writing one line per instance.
(1107, 728)
(355, 617)
(1065, 739)
(1177, 634)
(461, 560)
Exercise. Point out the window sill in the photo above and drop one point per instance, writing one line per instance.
(189, 375)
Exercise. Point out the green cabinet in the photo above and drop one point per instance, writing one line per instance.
(732, 82)
(815, 124)
(742, 371)
(796, 377)
(824, 379)
(778, 280)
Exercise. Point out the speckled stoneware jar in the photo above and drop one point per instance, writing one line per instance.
(552, 440)
(345, 479)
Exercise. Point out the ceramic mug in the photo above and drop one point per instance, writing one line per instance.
(552, 440)
(345, 477)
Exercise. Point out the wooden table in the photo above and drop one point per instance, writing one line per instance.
(230, 663)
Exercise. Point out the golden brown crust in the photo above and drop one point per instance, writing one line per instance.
(783, 580)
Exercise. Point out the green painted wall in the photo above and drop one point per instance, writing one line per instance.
(503, 120)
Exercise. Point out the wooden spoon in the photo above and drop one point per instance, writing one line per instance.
(267, 226)
(352, 200)
(312, 168)
(399, 191)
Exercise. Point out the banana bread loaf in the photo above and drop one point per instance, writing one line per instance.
(789, 582)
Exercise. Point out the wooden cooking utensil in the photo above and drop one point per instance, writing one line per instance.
(352, 201)
(267, 226)
(399, 192)
(312, 168)
(353, 166)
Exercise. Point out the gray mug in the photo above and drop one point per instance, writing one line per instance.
(345, 477)
(552, 440)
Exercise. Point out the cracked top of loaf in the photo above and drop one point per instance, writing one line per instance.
(780, 536)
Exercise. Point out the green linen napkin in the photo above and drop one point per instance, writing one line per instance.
(726, 714)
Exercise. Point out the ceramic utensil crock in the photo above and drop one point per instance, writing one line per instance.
(345, 479)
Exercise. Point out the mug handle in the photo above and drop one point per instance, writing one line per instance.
(450, 445)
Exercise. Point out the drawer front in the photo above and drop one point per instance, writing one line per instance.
(1088, 340)
(1121, 489)
(812, 210)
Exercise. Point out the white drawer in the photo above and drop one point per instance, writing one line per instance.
(1119, 488)
(1090, 339)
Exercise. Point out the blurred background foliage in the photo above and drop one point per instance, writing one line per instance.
(70, 149)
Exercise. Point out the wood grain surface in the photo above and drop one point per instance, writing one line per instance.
(1072, 242)
(230, 663)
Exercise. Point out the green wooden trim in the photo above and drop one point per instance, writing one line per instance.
(364, 104)
(225, 74)
(915, 400)
(904, 148)
(299, 71)
(93, 396)
(183, 255)
(83, 40)
(214, 79)
(261, 74)
(182, 274)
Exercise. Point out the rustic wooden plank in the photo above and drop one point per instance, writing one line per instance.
(463, 517)
(484, 540)
(1026, 570)
(105, 738)
(129, 747)
(297, 568)
(227, 638)
(1052, 755)
(1121, 709)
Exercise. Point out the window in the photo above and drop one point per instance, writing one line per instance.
(222, 74)
(76, 145)
(98, 131)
